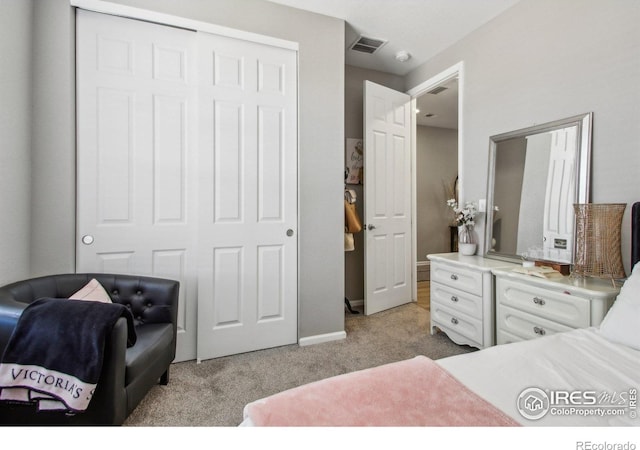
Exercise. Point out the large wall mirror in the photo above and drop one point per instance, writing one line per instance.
(536, 174)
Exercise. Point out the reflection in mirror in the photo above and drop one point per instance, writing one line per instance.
(535, 176)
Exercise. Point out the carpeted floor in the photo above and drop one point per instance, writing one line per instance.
(214, 392)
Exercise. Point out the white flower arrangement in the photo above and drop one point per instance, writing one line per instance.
(464, 215)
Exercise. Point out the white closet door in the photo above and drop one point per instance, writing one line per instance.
(137, 172)
(247, 297)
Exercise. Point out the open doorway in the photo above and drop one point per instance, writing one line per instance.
(436, 105)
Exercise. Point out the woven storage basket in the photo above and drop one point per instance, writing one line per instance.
(598, 240)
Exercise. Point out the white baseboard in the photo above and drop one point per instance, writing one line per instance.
(320, 338)
(423, 269)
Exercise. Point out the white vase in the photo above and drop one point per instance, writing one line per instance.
(466, 240)
(467, 249)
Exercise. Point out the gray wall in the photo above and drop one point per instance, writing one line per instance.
(15, 138)
(321, 137)
(544, 60)
(53, 148)
(353, 123)
(436, 171)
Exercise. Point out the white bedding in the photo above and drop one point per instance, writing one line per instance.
(577, 360)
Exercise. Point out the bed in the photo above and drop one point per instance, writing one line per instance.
(585, 377)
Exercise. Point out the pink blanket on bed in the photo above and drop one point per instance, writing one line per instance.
(415, 392)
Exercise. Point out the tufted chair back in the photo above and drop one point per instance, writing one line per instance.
(151, 300)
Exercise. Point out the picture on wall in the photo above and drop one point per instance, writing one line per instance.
(354, 161)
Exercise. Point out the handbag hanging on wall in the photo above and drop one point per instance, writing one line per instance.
(349, 243)
(351, 218)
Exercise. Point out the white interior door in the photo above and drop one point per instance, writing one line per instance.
(387, 203)
(248, 202)
(136, 168)
(561, 184)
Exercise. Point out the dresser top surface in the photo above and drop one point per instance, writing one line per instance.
(588, 285)
(475, 261)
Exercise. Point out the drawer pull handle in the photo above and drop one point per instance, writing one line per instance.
(454, 298)
(538, 301)
(454, 277)
(454, 321)
(539, 330)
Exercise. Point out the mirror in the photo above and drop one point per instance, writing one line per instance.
(536, 174)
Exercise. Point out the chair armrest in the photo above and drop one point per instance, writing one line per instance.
(109, 403)
(10, 312)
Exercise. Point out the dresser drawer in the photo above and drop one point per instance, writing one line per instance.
(503, 337)
(457, 300)
(449, 319)
(524, 325)
(559, 307)
(457, 277)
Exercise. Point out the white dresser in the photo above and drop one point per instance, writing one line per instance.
(462, 297)
(528, 307)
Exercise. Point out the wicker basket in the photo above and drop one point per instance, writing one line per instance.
(598, 240)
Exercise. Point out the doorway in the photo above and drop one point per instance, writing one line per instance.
(354, 260)
(437, 142)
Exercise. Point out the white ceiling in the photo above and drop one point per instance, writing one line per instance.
(421, 27)
(442, 107)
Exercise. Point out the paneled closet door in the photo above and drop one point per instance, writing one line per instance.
(247, 291)
(137, 166)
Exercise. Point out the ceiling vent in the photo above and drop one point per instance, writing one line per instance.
(367, 45)
(437, 90)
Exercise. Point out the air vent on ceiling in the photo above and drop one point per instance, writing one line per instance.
(367, 45)
(437, 90)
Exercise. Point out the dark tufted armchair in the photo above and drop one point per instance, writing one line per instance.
(127, 373)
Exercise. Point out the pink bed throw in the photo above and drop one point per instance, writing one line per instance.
(415, 392)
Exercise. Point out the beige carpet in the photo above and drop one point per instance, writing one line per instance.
(214, 392)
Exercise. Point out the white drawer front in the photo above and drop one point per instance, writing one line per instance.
(457, 300)
(524, 325)
(557, 306)
(449, 319)
(503, 337)
(457, 277)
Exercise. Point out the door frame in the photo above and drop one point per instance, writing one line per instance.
(457, 70)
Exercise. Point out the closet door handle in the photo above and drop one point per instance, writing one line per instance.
(371, 227)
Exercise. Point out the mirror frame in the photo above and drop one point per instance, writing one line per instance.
(584, 124)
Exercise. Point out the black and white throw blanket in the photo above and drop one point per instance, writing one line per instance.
(54, 357)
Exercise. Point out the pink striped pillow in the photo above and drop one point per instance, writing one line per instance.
(92, 291)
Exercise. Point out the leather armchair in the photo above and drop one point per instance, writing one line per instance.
(127, 373)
